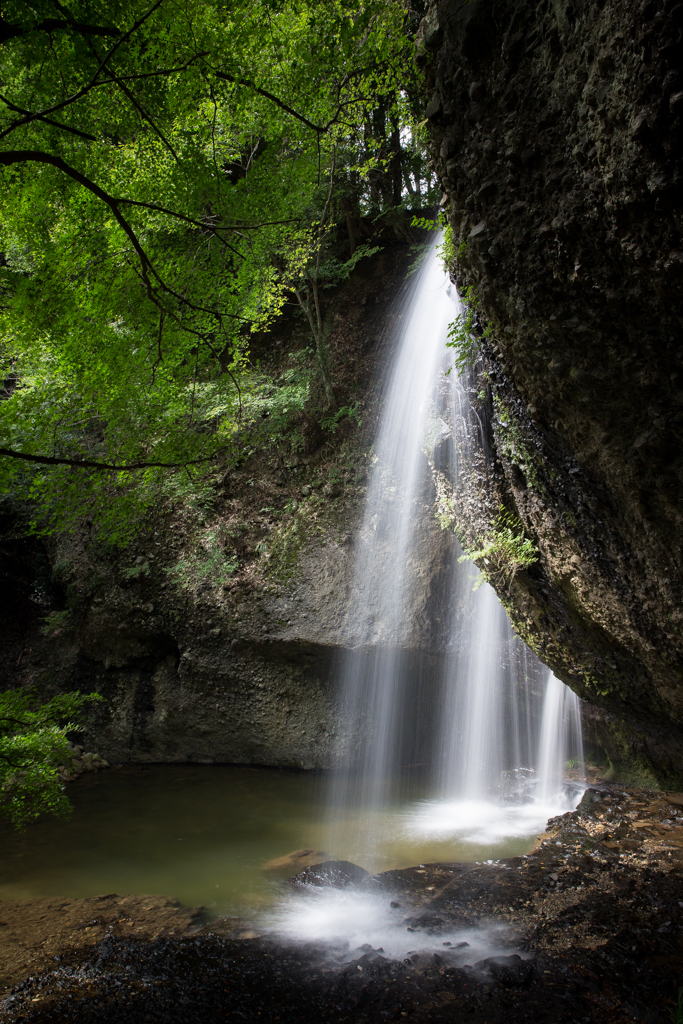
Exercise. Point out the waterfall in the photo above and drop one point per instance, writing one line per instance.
(388, 570)
(483, 708)
(473, 725)
(455, 756)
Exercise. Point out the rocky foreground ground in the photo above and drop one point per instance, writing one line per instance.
(591, 925)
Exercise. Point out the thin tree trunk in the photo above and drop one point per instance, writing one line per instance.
(319, 339)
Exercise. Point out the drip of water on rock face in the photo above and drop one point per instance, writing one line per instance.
(482, 723)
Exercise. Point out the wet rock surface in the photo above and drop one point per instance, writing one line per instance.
(336, 873)
(558, 140)
(81, 761)
(295, 861)
(34, 933)
(589, 932)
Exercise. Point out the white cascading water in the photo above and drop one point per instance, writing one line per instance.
(473, 727)
(390, 561)
(482, 718)
(560, 732)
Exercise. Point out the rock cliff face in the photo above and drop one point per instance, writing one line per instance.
(557, 131)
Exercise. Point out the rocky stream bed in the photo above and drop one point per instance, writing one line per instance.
(590, 923)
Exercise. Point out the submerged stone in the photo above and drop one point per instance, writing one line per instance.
(296, 860)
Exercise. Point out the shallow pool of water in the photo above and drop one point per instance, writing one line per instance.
(202, 833)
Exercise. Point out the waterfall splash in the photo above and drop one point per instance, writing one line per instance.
(457, 758)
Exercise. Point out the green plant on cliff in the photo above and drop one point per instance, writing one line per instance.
(447, 251)
(462, 337)
(504, 551)
(301, 521)
(207, 560)
(169, 177)
(33, 743)
(426, 223)
(346, 411)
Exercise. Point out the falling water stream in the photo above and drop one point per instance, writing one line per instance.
(490, 728)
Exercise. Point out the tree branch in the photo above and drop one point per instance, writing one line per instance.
(8, 32)
(204, 225)
(37, 156)
(125, 37)
(49, 120)
(146, 266)
(145, 116)
(269, 96)
(93, 81)
(47, 460)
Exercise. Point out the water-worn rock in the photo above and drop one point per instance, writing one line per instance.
(511, 971)
(558, 137)
(80, 762)
(339, 874)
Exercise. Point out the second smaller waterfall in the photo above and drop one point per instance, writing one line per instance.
(560, 741)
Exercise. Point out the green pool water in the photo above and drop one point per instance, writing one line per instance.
(202, 833)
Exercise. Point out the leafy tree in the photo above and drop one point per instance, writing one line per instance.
(170, 174)
(33, 743)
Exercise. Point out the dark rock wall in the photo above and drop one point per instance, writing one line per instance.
(557, 131)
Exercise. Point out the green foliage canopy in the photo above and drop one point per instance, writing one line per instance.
(166, 171)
